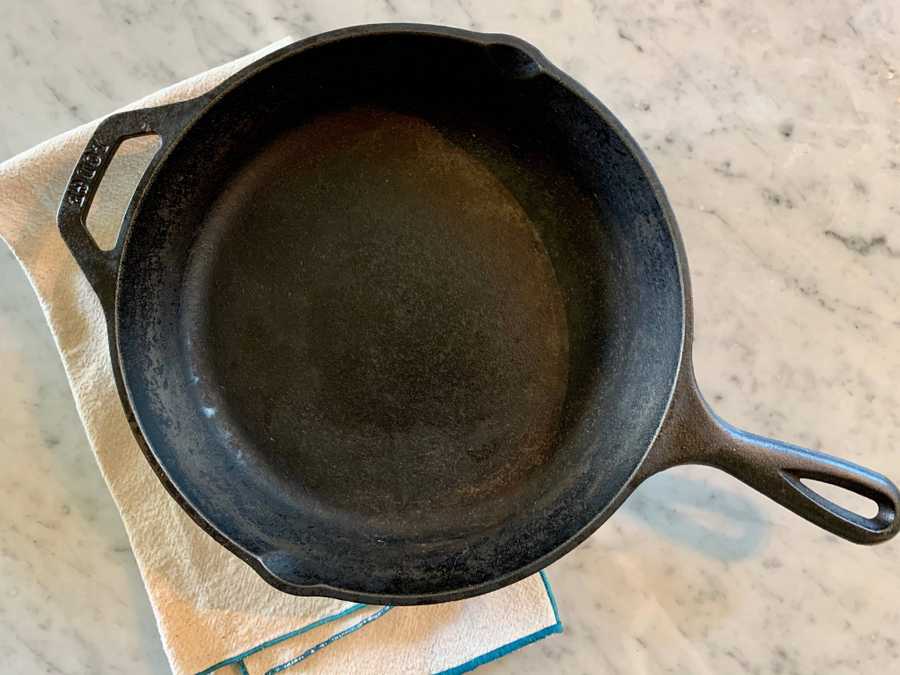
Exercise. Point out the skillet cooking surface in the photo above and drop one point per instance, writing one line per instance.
(399, 316)
(376, 314)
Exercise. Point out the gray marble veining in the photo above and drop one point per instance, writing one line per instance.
(776, 131)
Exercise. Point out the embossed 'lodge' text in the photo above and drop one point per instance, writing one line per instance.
(87, 169)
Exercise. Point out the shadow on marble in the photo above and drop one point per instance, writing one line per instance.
(694, 513)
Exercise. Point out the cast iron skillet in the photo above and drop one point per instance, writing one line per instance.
(400, 314)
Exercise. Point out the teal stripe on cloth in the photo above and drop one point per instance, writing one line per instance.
(493, 655)
(239, 659)
(334, 638)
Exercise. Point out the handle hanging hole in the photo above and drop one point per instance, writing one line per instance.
(130, 161)
(847, 499)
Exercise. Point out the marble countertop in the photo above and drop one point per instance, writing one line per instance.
(776, 131)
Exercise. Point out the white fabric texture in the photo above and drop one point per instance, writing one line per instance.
(210, 607)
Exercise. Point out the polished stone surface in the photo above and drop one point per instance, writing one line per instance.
(776, 131)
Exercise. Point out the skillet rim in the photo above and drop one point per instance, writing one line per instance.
(203, 104)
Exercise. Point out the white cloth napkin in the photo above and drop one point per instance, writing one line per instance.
(214, 613)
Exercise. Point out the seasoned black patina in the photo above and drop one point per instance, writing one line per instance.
(400, 314)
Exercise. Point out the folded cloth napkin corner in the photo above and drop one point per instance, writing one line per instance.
(214, 614)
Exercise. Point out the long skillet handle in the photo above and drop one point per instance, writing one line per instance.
(100, 266)
(694, 434)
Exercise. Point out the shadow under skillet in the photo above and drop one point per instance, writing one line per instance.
(696, 514)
